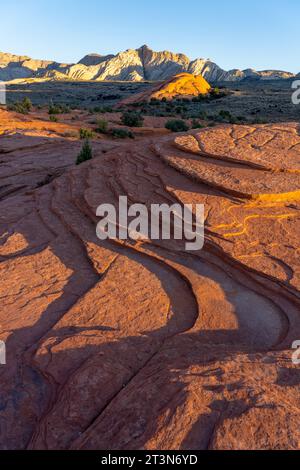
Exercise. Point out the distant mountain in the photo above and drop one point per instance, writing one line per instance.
(132, 65)
(13, 67)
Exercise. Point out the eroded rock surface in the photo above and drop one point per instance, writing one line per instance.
(123, 345)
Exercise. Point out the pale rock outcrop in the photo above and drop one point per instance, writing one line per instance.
(13, 66)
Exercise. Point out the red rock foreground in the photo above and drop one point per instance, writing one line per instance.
(144, 345)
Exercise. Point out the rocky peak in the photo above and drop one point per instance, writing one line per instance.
(131, 65)
(94, 59)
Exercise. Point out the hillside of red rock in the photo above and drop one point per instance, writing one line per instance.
(143, 345)
(183, 85)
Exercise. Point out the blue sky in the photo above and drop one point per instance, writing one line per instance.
(235, 34)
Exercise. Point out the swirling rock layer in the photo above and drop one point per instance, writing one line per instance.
(123, 345)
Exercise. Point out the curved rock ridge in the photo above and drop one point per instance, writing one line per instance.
(183, 85)
(131, 65)
(142, 345)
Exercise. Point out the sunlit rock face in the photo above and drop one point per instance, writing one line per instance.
(130, 65)
(142, 345)
(183, 85)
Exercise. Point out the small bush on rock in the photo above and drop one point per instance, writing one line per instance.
(85, 154)
(122, 134)
(102, 126)
(177, 125)
(85, 134)
(226, 115)
(58, 109)
(196, 124)
(26, 103)
(22, 107)
(132, 119)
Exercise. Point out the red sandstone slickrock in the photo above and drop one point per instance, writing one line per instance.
(114, 345)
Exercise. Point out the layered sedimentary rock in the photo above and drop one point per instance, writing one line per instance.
(130, 345)
(13, 67)
(131, 65)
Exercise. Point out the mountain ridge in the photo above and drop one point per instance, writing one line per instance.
(142, 64)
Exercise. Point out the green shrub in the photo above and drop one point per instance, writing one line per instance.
(216, 93)
(201, 97)
(102, 126)
(226, 115)
(196, 124)
(169, 108)
(154, 102)
(53, 118)
(122, 134)
(26, 103)
(86, 134)
(108, 109)
(53, 109)
(202, 115)
(132, 119)
(177, 125)
(119, 110)
(103, 109)
(233, 120)
(22, 107)
(85, 154)
(58, 109)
